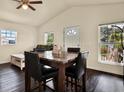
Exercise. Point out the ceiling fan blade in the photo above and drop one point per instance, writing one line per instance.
(19, 7)
(31, 7)
(17, 0)
(35, 2)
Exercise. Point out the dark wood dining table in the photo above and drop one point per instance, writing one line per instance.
(60, 61)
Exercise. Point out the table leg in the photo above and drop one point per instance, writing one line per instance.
(21, 64)
(61, 78)
(27, 81)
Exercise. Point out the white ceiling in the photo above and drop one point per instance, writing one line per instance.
(44, 12)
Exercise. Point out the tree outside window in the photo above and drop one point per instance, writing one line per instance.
(48, 38)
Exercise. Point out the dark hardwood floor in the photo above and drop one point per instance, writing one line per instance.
(12, 80)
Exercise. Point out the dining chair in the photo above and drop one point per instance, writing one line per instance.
(73, 49)
(78, 71)
(37, 71)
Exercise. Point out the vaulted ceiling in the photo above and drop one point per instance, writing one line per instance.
(44, 12)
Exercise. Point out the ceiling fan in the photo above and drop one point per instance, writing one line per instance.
(25, 4)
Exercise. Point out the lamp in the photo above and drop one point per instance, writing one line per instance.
(25, 6)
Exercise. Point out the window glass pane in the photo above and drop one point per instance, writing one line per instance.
(13, 34)
(3, 35)
(111, 52)
(8, 34)
(104, 52)
(104, 34)
(48, 38)
(3, 31)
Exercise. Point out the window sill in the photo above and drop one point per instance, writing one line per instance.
(111, 63)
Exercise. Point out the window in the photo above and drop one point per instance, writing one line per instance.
(111, 41)
(71, 37)
(48, 38)
(8, 37)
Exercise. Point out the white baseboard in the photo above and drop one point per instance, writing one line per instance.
(105, 71)
(3, 62)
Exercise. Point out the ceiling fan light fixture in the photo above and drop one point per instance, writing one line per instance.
(25, 6)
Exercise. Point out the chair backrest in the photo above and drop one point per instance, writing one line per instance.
(72, 49)
(34, 67)
(81, 63)
(42, 48)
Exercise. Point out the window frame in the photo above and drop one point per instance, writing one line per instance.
(101, 43)
(8, 35)
(76, 29)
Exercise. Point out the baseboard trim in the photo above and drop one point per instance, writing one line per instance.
(4, 62)
(113, 74)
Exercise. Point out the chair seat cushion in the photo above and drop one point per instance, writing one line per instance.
(40, 49)
(49, 73)
(46, 66)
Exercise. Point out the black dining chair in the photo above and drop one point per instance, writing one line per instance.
(73, 49)
(78, 71)
(37, 71)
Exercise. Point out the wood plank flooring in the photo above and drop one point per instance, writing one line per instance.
(12, 80)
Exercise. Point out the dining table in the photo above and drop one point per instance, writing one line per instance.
(57, 60)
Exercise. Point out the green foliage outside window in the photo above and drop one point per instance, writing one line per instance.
(50, 39)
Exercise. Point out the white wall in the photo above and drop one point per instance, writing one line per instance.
(26, 40)
(88, 17)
